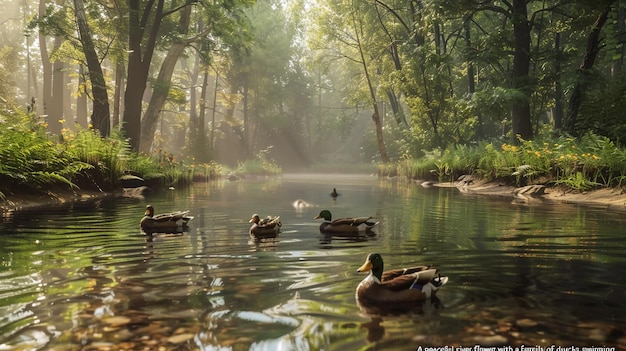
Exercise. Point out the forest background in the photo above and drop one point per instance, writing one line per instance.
(531, 91)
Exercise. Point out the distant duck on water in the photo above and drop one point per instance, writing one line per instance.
(165, 221)
(334, 194)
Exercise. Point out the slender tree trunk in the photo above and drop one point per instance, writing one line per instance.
(520, 109)
(193, 103)
(46, 94)
(161, 87)
(618, 63)
(558, 111)
(593, 47)
(55, 108)
(81, 99)
(202, 116)
(159, 96)
(376, 118)
(101, 114)
(117, 96)
(471, 81)
(246, 134)
(212, 135)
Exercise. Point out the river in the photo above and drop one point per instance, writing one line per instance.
(85, 277)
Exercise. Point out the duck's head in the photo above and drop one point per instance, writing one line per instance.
(373, 263)
(255, 219)
(324, 214)
(149, 211)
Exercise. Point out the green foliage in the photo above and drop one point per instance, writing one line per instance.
(28, 159)
(580, 164)
(260, 165)
(31, 161)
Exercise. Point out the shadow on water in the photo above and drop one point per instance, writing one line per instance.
(87, 277)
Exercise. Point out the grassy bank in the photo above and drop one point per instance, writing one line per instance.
(580, 164)
(33, 162)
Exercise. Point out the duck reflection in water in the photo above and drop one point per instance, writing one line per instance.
(376, 330)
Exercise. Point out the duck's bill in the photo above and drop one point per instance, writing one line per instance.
(366, 267)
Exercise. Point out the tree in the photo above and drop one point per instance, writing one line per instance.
(591, 52)
(520, 109)
(142, 39)
(101, 116)
(342, 36)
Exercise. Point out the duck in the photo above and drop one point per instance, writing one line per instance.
(399, 285)
(334, 194)
(164, 221)
(267, 227)
(300, 204)
(345, 225)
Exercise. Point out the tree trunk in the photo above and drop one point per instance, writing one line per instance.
(557, 110)
(471, 81)
(101, 114)
(376, 115)
(194, 72)
(202, 116)
(212, 135)
(161, 87)
(46, 65)
(117, 96)
(81, 99)
(55, 107)
(138, 65)
(520, 109)
(593, 47)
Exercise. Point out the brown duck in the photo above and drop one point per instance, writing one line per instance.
(344, 225)
(398, 285)
(267, 227)
(165, 221)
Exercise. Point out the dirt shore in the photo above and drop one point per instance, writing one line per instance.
(18, 202)
(613, 198)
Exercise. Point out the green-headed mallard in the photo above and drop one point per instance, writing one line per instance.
(165, 221)
(264, 228)
(398, 285)
(344, 225)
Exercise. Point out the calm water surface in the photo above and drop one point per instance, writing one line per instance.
(86, 277)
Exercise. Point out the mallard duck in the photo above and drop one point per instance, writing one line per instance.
(398, 285)
(267, 227)
(164, 221)
(344, 225)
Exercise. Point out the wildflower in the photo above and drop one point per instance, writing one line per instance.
(537, 154)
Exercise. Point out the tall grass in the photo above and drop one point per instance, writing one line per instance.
(580, 164)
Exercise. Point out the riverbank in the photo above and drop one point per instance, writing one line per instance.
(613, 198)
(52, 198)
